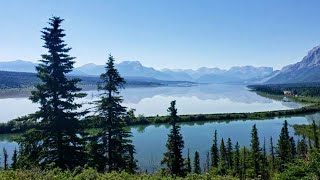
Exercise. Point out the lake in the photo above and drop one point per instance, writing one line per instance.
(150, 140)
(151, 101)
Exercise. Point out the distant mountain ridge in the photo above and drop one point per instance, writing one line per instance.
(237, 74)
(307, 70)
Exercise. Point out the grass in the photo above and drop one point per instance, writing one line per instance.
(91, 174)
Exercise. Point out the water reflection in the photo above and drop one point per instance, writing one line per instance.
(151, 101)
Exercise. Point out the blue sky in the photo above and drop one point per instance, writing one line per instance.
(166, 33)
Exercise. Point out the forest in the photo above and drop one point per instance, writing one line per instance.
(56, 145)
(300, 89)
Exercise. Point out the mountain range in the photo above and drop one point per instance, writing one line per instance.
(307, 70)
(243, 74)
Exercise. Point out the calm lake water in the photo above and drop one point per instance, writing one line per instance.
(151, 101)
(150, 140)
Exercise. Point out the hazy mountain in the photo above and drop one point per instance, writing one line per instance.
(128, 69)
(18, 66)
(307, 70)
(26, 66)
(244, 74)
(237, 74)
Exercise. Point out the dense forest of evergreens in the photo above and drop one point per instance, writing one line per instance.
(56, 146)
(301, 89)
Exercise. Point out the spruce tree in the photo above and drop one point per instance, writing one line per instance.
(131, 162)
(173, 157)
(113, 142)
(229, 154)
(315, 135)
(188, 163)
(96, 153)
(222, 165)
(5, 159)
(293, 147)
(58, 115)
(14, 159)
(264, 162)
(207, 164)
(244, 166)
(255, 151)
(29, 149)
(196, 163)
(272, 155)
(214, 151)
(302, 148)
(284, 152)
(236, 160)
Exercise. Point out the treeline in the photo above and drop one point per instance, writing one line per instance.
(131, 119)
(19, 125)
(285, 159)
(301, 89)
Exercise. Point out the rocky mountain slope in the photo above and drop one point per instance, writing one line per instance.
(307, 70)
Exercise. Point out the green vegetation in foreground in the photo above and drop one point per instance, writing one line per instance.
(92, 174)
(287, 160)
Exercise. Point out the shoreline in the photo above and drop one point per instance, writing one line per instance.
(14, 126)
(234, 116)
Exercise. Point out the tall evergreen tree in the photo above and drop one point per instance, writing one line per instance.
(255, 151)
(244, 166)
(315, 135)
(236, 160)
(173, 157)
(207, 164)
(14, 159)
(222, 166)
(214, 151)
(29, 149)
(302, 148)
(284, 152)
(5, 159)
(264, 162)
(113, 142)
(272, 155)
(188, 163)
(229, 154)
(196, 163)
(131, 166)
(293, 147)
(58, 114)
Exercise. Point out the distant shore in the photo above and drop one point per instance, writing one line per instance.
(14, 126)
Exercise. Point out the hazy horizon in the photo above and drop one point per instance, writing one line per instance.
(166, 34)
(174, 69)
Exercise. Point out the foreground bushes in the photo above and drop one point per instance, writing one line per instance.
(91, 174)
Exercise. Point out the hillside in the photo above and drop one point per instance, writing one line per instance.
(307, 70)
(23, 80)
